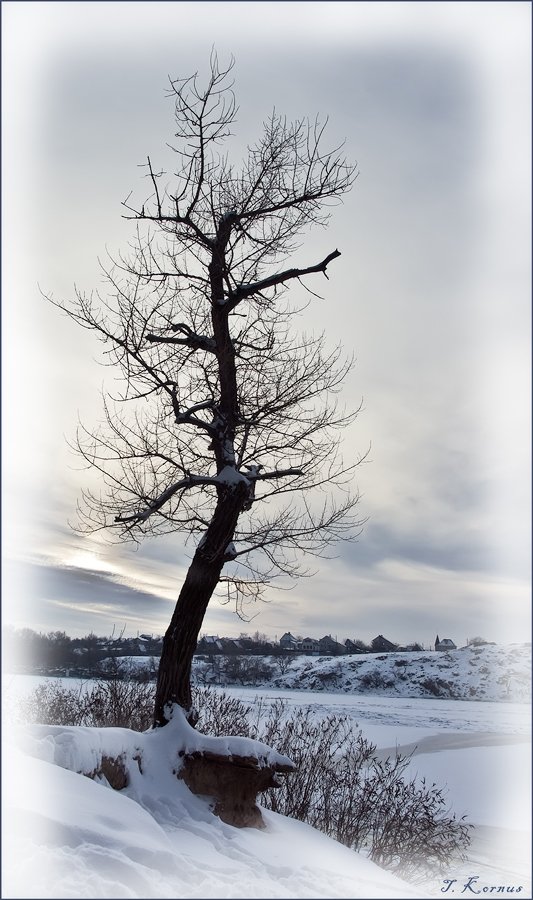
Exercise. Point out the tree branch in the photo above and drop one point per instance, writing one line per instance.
(188, 482)
(177, 219)
(191, 339)
(247, 290)
(278, 473)
(189, 416)
(156, 189)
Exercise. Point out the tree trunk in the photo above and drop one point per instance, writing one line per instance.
(179, 643)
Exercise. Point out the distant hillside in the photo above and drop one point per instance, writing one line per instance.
(473, 673)
(490, 672)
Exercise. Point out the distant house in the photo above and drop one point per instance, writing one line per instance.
(231, 646)
(329, 647)
(250, 646)
(209, 644)
(445, 644)
(243, 645)
(309, 645)
(380, 644)
(288, 642)
(352, 647)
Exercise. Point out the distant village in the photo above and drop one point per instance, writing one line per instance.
(325, 646)
(56, 653)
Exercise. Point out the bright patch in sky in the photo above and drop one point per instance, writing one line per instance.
(83, 559)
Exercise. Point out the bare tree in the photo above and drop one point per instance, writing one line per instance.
(283, 662)
(227, 426)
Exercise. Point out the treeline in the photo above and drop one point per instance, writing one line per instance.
(55, 652)
(28, 650)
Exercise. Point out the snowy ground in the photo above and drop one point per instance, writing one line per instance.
(68, 836)
(77, 838)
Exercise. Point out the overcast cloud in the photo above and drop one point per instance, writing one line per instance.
(431, 294)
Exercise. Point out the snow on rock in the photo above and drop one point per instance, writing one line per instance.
(82, 749)
(70, 836)
(78, 748)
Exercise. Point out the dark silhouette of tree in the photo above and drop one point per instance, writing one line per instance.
(227, 427)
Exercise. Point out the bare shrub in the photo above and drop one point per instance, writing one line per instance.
(406, 824)
(52, 704)
(245, 670)
(121, 703)
(375, 679)
(123, 668)
(439, 687)
(208, 670)
(220, 714)
(103, 703)
(283, 662)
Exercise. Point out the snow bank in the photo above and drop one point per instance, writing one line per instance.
(492, 673)
(82, 749)
(69, 836)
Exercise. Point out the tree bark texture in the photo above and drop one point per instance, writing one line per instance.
(179, 643)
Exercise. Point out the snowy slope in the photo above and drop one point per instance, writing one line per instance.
(68, 836)
(501, 673)
(473, 673)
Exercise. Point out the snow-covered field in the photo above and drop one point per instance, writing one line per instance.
(67, 836)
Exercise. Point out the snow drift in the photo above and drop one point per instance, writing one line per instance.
(68, 835)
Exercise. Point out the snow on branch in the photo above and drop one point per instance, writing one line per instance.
(184, 484)
(229, 477)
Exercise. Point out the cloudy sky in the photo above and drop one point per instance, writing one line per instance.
(431, 294)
